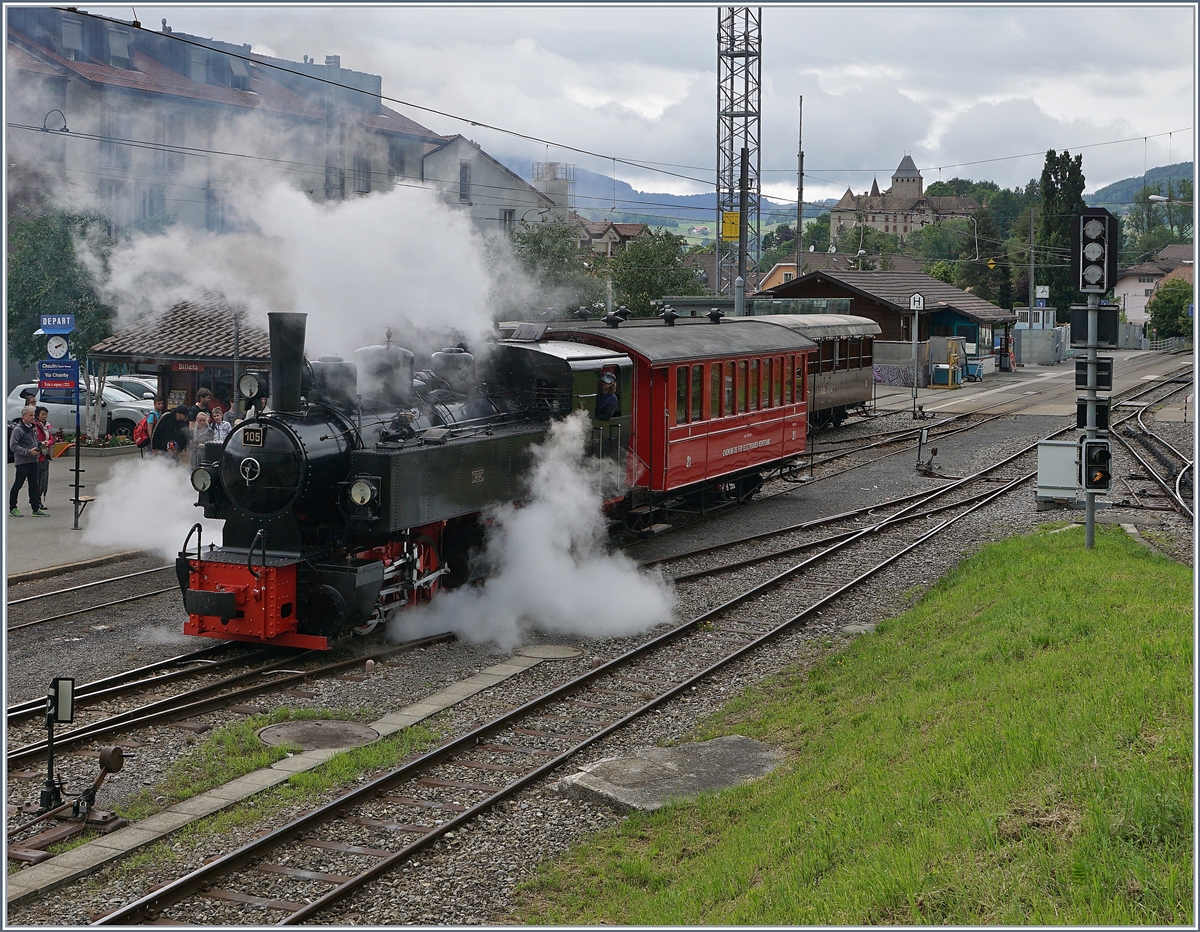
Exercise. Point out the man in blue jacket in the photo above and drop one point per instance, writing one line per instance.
(25, 446)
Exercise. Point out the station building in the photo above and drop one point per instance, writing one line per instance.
(190, 346)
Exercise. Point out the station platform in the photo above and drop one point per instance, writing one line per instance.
(1035, 389)
(37, 544)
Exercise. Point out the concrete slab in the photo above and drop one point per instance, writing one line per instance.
(202, 805)
(656, 776)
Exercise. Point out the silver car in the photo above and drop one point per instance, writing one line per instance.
(126, 410)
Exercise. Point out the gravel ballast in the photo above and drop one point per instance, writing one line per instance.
(469, 877)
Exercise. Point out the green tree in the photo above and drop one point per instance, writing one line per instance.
(549, 253)
(941, 270)
(1062, 186)
(46, 276)
(651, 265)
(990, 282)
(1168, 309)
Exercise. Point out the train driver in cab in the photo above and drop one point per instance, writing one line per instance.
(608, 403)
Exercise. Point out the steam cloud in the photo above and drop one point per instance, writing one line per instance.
(146, 505)
(401, 259)
(549, 567)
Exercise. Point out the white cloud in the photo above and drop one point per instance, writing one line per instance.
(878, 81)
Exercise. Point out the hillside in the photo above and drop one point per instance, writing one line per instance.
(595, 193)
(1119, 195)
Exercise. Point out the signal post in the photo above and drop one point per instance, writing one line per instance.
(1095, 242)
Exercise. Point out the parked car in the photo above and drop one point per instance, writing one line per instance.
(126, 410)
(136, 386)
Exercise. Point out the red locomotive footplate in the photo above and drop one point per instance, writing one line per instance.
(262, 608)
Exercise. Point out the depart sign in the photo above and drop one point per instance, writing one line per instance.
(58, 323)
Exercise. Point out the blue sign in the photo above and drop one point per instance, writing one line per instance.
(58, 373)
(1039, 302)
(58, 323)
(1191, 308)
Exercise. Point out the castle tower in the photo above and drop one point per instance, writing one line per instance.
(906, 180)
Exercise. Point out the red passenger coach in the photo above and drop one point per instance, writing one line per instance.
(709, 402)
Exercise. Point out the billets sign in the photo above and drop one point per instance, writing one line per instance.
(187, 367)
(58, 373)
(58, 323)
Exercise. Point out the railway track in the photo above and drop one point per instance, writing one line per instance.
(33, 603)
(443, 798)
(302, 869)
(271, 677)
(1166, 465)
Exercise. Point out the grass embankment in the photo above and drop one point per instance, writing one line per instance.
(1016, 749)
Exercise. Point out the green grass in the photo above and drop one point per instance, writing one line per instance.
(1015, 749)
(226, 754)
(303, 790)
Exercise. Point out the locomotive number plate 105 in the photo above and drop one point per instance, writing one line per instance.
(252, 436)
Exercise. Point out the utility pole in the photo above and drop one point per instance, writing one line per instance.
(800, 191)
(1031, 263)
(739, 104)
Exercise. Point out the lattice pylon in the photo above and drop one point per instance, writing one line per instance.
(739, 105)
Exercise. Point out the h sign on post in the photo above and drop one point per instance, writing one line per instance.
(1094, 246)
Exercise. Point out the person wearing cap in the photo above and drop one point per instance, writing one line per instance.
(608, 404)
(171, 433)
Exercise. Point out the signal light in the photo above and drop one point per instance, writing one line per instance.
(1094, 245)
(1097, 466)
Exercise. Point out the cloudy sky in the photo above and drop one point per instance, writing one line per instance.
(950, 84)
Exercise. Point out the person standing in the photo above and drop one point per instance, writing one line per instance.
(25, 447)
(201, 434)
(203, 403)
(171, 434)
(41, 423)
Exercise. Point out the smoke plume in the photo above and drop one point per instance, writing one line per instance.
(146, 504)
(550, 570)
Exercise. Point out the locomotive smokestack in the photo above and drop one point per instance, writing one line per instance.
(287, 359)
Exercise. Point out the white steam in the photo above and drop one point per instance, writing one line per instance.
(401, 259)
(549, 566)
(146, 505)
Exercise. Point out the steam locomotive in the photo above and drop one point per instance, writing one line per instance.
(362, 488)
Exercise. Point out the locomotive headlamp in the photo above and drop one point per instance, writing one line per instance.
(361, 492)
(249, 386)
(201, 479)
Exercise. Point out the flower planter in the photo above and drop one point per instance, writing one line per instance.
(106, 451)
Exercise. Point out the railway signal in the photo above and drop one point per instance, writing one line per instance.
(1094, 244)
(1097, 466)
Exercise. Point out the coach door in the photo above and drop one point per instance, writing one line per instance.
(687, 424)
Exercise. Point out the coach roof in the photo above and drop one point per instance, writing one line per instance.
(690, 338)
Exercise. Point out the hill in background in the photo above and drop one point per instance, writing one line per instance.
(1120, 195)
(598, 198)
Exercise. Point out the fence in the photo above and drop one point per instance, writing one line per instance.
(1171, 345)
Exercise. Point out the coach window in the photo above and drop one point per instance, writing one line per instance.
(801, 378)
(789, 366)
(742, 369)
(697, 409)
(727, 409)
(777, 392)
(827, 348)
(752, 385)
(854, 360)
(843, 355)
(767, 376)
(681, 395)
(868, 357)
(714, 391)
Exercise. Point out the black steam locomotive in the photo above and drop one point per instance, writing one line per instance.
(360, 489)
